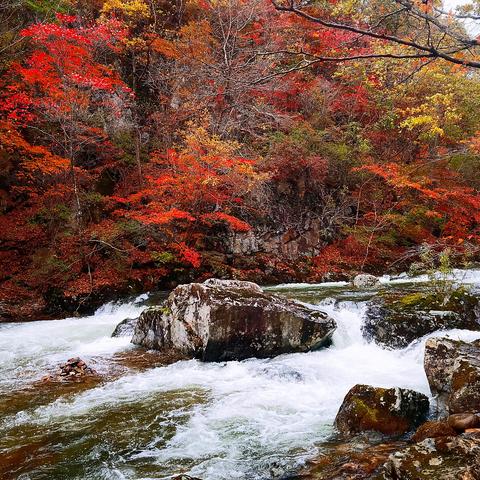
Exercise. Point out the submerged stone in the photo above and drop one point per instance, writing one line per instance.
(222, 320)
(125, 328)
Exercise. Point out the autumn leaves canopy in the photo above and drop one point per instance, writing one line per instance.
(138, 137)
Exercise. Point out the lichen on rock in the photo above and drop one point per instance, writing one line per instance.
(390, 411)
(222, 320)
(394, 320)
(453, 373)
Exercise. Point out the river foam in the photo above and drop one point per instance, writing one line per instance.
(28, 350)
(256, 419)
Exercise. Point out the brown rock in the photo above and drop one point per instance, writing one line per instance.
(433, 429)
(392, 411)
(354, 460)
(453, 372)
(464, 421)
(75, 368)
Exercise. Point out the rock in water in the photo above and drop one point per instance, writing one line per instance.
(395, 321)
(74, 368)
(392, 411)
(125, 328)
(222, 320)
(453, 372)
(365, 280)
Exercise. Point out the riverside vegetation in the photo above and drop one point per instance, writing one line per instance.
(147, 143)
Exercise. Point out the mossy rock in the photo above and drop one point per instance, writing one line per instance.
(442, 458)
(390, 411)
(453, 372)
(395, 320)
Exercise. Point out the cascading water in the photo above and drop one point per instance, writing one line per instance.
(256, 419)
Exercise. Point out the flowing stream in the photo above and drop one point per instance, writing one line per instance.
(256, 419)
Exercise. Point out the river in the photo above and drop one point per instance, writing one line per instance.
(250, 420)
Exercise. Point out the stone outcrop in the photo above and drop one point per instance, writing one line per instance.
(365, 280)
(222, 320)
(453, 372)
(390, 411)
(305, 237)
(396, 321)
(442, 458)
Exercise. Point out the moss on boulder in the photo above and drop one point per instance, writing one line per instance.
(390, 411)
(394, 320)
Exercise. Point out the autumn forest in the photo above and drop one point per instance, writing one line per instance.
(147, 143)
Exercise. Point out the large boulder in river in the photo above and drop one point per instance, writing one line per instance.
(453, 372)
(396, 321)
(391, 411)
(231, 320)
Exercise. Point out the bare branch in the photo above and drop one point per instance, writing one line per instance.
(425, 50)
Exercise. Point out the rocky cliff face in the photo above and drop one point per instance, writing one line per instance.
(231, 320)
(290, 242)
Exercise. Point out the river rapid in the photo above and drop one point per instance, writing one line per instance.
(250, 420)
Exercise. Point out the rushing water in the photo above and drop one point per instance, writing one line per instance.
(256, 419)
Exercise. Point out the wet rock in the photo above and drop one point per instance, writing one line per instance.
(74, 369)
(461, 422)
(357, 459)
(433, 429)
(392, 411)
(282, 372)
(125, 328)
(365, 280)
(184, 477)
(222, 320)
(396, 321)
(453, 373)
(443, 458)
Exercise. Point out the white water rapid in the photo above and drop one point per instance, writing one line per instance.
(256, 419)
